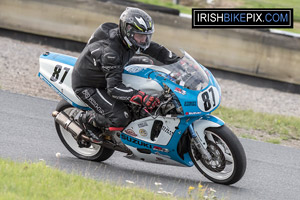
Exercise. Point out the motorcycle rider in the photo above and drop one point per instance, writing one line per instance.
(97, 75)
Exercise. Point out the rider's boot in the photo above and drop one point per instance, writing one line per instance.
(87, 121)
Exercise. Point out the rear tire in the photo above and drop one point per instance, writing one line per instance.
(229, 159)
(93, 153)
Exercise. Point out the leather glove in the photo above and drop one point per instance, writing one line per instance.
(143, 99)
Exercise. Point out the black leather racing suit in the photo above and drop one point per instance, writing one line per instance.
(97, 75)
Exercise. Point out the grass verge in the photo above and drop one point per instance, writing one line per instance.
(282, 127)
(36, 181)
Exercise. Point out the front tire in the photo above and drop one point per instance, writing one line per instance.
(93, 153)
(228, 163)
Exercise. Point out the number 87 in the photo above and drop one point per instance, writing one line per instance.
(56, 73)
(206, 100)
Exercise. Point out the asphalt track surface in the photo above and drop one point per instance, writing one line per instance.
(28, 133)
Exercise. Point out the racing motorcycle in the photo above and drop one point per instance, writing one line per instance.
(181, 131)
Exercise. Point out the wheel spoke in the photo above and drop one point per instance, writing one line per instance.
(228, 158)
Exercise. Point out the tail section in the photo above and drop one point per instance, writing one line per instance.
(56, 70)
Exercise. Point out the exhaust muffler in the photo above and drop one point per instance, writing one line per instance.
(63, 119)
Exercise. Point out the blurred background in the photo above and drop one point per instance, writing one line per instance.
(262, 53)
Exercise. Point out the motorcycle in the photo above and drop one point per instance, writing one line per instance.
(181, 131)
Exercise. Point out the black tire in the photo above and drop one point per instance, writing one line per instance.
(100, 153)
(237, 155)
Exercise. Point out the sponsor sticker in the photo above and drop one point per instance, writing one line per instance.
(136, 141)
(133, 69)
(143, 132)
(166, 130)
(130, 132)
(190, 103)
(161, 149)
(181, 91)
(193, 113)
(143, 124)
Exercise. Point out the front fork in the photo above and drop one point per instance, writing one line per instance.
(199, 143)
(197, 131)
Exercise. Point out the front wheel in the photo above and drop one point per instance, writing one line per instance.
(228, 159)
(93, 152)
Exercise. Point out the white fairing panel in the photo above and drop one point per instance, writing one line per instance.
(146, 85)
(61, 79)
(142, 128)
(141, 81)
(200, 125)
(152, 158)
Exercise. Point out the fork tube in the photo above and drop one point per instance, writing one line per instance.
(193, 134)
(198, 143)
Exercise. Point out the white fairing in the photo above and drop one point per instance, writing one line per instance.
(200, 125)
(139, 83)
(152, 158)
(142, 129)
(47, 69)
(147, 85)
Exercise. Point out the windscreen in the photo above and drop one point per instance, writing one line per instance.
(187, 73)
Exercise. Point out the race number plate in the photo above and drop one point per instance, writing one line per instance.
(208, 99)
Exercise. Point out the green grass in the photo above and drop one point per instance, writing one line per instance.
(36, 181)
(285, 127)
(247, 136)
(274, 141)
(292, 30)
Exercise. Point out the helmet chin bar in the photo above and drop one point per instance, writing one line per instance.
(136, 47)
(128, 41)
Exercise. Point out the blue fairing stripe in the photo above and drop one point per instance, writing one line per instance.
(69, 60)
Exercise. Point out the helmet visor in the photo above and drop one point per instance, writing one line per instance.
(142, 40)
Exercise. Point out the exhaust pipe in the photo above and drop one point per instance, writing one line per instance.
(63, 119)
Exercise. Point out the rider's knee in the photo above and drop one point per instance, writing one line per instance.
(121, 119)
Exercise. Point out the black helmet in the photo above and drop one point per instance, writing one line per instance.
(136, 28)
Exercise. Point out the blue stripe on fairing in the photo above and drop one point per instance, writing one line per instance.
(61, 94)
(69, 60)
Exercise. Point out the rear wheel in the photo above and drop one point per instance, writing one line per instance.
(228, 163)
(92, 151)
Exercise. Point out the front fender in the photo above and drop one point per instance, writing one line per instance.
(203, 123)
